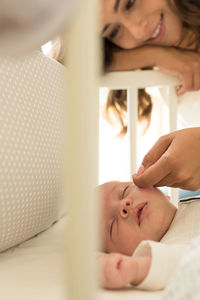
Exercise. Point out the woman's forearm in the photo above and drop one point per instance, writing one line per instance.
(134, 59)
(170, 60)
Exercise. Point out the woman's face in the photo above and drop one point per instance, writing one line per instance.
(133, 23)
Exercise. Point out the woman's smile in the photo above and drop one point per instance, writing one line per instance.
(159, 32)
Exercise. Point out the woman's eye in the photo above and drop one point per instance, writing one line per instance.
(114, 32)
(129, 4)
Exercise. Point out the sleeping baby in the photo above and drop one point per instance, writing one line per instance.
(144, 235)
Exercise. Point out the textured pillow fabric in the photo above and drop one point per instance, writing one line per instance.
(185, 282)
(31, 137)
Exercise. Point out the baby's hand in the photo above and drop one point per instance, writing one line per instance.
(116, 270)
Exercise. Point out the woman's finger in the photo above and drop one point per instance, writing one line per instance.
(166, 181)
(154, 174)
(158, 149)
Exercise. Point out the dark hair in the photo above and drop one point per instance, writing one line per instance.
(189, 14)
(117, 104)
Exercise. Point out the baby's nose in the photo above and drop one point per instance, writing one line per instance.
(125, 208)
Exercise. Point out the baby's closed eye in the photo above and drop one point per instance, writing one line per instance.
(124, 192)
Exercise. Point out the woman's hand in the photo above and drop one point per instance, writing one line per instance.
(173, 161)
(181, 63)
(117, 270)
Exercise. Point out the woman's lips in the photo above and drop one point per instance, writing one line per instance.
(161, 34)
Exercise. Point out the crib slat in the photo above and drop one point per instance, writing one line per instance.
(81, 163)
(132, 109)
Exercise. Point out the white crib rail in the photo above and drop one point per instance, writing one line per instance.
(81, 163)
(137, 79)
(132, 81)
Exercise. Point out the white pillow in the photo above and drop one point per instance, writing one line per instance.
(31, 136)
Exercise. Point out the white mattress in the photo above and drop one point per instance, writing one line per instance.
(34, 270)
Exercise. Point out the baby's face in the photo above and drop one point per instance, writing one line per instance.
(131, 214)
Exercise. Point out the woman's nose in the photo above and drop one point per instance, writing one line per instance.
(138, 27)
(125, 208)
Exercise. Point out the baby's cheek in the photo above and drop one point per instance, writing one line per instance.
(151, 226)
(158, 225)
(127, 247)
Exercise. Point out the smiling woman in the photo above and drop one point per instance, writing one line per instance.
(133, 23)
(129, 24)
(142, 34)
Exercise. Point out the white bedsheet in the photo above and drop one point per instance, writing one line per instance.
(34, 271)
(129, 294)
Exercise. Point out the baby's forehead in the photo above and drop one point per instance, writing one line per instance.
(111, 186)
(107, 185)
(114, 187)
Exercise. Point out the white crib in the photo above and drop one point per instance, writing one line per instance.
(35, 269)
